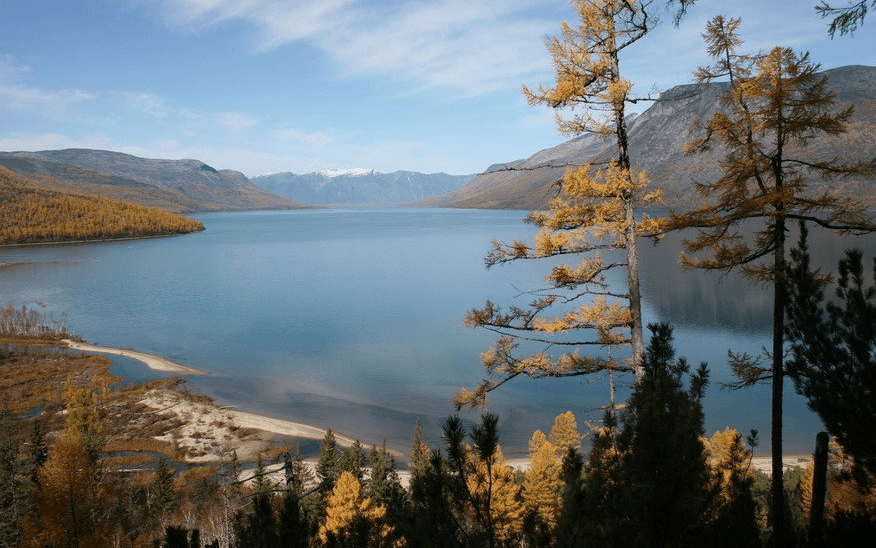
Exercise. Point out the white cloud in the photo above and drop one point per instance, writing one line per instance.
(296, 137)
(236, 121)
(469, 46)
(14, 141)
(17, 96)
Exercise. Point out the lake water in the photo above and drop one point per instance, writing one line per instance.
(352, 318)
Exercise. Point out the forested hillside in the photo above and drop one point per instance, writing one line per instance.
(174, 185)
(30, 213)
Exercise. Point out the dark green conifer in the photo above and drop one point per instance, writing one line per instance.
(327, 464)
(162, 497)
(650, 486)
(833, 349)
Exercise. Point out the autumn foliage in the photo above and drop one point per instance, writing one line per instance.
(32, 214)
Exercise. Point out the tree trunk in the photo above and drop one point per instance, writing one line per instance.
(635, 298)
(779, 298)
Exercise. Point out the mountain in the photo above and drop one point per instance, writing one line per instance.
(360, 187)
(657, 137)
(172, 185)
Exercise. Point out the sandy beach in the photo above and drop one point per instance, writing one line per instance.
(209, 430)
(152, 361)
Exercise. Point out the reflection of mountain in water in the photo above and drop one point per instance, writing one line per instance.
(696, 297)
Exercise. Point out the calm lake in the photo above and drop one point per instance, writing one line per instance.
(352, 318)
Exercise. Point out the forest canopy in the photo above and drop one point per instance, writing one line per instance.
(30, 214)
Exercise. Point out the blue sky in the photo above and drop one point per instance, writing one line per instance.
(264, 86)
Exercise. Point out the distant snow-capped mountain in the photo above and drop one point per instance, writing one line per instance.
(360, 186)
(354, 172)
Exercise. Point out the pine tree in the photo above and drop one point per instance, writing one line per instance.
(569, 532)
(775, 105)
(649, 482)
(847, 19)
(327, 463)
(598, 209)
(37, 450)
(833, 349)
(11, 488)
(294, 529)
(418, 463)
(162, 497)
(352, 460)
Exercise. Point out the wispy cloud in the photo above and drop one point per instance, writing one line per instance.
(17, 96)
(461, 45)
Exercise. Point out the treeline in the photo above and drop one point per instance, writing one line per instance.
(29, 322)
(650, 478)
(32, 214)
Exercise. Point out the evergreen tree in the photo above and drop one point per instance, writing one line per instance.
(37, 450)
(833, 349)
(257, 528)
(652, 488)
(11, 489)
(352, 460)
(775, 105)
(569, 532)
(845, 19)
(162, 497)
(327, 463)
(418, 463)
(296, 524)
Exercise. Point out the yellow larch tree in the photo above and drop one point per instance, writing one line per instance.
(565, 434)
(345, 506)
(775, 104)
(74, 498)
(493, 488)
(598, 210)
(542, 483)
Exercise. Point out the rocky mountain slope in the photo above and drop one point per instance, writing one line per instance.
(657, 137)
(360, 187)
(173, 185)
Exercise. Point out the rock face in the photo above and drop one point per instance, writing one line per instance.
(657, 137)
(174, 185)
(360, 187)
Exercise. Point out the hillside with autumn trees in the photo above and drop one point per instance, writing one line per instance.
(31, 213)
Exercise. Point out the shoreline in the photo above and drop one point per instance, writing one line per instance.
(243, 419)
(289, 428)
(156, 363)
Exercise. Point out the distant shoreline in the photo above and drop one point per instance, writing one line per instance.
(97, 240)
(152, 361)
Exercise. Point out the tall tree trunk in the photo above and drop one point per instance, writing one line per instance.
(635, 298)
(779, 299)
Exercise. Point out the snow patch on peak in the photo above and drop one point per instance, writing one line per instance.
(354, 172)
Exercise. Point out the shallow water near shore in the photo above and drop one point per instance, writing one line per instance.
(352, 318)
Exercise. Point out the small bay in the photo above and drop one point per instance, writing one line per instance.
(352, 318)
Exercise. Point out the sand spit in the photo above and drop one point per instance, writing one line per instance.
(208, 433)
(152, 361)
